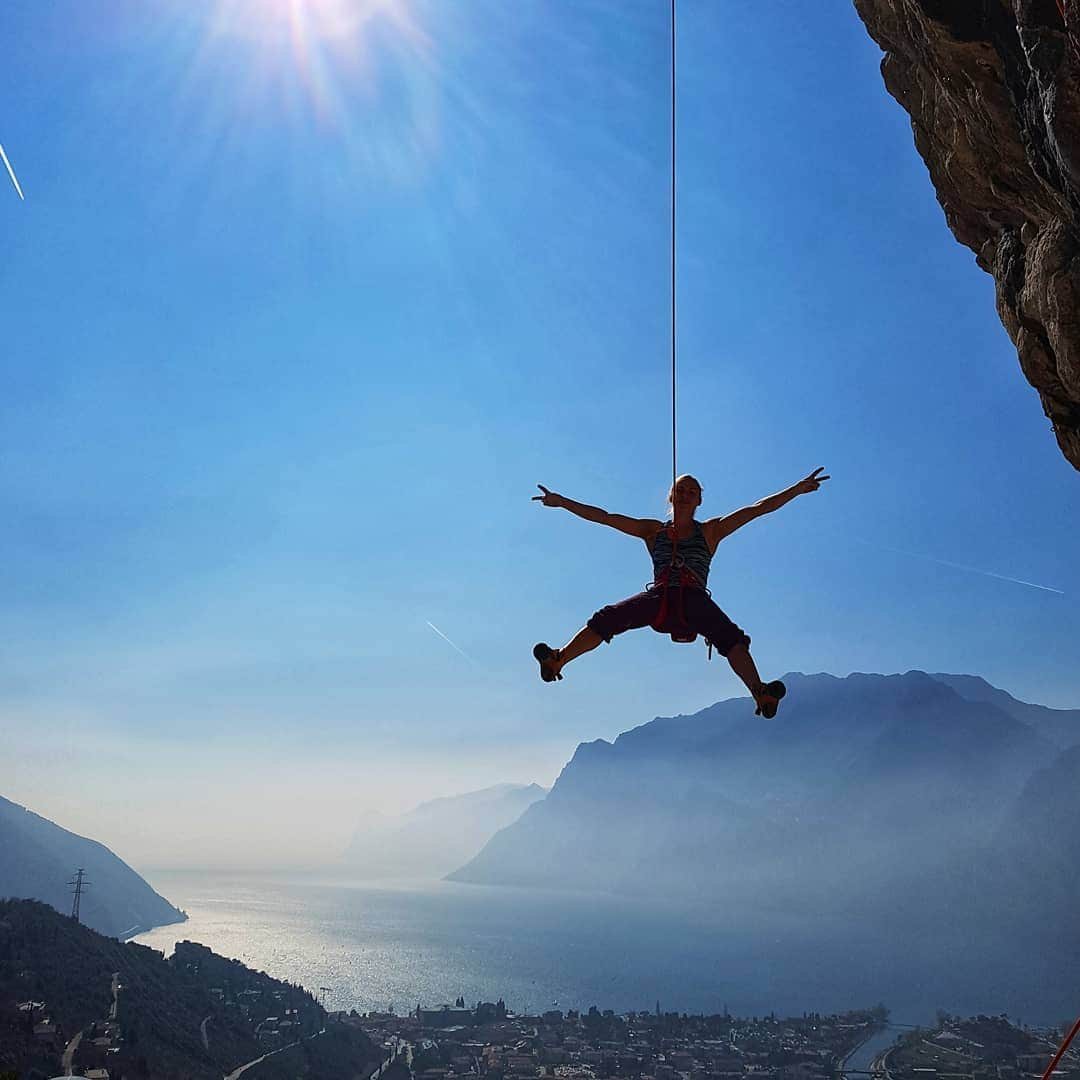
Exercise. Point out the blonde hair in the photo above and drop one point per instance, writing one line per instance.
(671, 491)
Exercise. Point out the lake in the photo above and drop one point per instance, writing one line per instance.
(381, 945)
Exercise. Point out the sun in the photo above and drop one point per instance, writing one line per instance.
(323, 51)
(333, 20)
(312, 22)
(360, 79)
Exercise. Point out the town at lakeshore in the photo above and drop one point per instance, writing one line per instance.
(490, 1043)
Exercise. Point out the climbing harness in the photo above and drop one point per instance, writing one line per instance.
(666, 621)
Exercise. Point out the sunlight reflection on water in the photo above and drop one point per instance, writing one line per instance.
(377, 946)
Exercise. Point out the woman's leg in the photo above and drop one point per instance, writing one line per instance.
(731, 642)
(766, 695)
(585, 640)
(742, 663)
(614, 619)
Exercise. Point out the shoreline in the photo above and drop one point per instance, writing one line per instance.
(145, 928)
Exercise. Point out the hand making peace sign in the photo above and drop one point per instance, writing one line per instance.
(549, 498)
(811, 482)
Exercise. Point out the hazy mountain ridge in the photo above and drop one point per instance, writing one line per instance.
(885, 783)
(437, 836)
(1060, 726)
(1034, 860)
(38, 858)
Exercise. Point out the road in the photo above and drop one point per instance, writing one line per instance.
(69, 1052)
(398, 1048)
(67, 1061)
(251, 1064)
(883, 1064)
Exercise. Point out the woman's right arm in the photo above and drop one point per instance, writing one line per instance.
(643, 528)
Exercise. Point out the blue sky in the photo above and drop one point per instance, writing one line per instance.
(307, 295)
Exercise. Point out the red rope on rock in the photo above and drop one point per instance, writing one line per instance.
(1075, 1028)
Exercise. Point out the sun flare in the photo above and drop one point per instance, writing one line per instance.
(360, 71)
(314, 20)
(330, 20)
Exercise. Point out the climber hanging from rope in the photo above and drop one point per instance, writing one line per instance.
(677, 602)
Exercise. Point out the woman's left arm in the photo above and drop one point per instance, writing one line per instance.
(717, 528)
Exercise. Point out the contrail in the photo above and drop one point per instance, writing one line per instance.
(960, 566)
(450, 643)
(11, 173)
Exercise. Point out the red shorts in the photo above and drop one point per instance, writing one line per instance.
(699, 612)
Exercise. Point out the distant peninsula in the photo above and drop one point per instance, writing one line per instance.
(39, 858)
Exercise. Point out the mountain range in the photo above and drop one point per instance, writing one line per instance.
(873, 793)
(883, 792)
(437, 836)
(38, 859)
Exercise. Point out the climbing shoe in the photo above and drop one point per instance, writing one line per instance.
(547, 656)
(767, 697)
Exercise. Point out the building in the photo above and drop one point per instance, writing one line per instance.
(444, 1016)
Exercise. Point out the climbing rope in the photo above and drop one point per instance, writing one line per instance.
(674, 470)
(1061, 1051)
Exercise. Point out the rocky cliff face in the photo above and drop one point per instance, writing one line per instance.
(993, 90)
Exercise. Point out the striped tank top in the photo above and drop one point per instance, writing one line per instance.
(693, 553)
